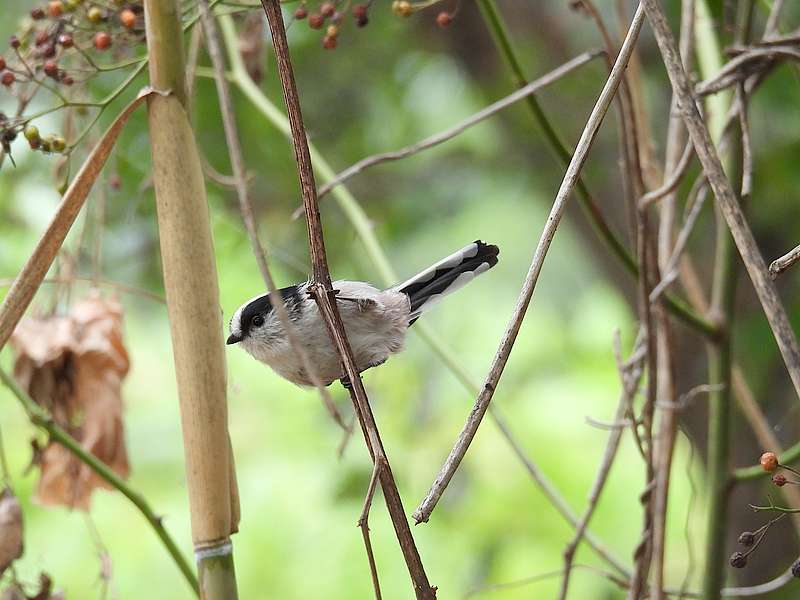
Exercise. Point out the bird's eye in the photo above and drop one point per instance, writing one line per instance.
(257, 321)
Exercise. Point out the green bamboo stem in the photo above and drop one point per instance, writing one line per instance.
(40, 418)
(723, 293)
(497, 27)
(191, 286)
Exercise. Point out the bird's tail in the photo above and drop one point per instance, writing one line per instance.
(446, 276)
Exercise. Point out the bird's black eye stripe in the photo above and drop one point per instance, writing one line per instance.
(257, 321)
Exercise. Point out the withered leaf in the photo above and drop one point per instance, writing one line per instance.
(73, 366)
(10, 529)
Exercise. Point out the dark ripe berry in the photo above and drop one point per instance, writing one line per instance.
(41, 38)
(37, 13)
(329, 42)
(360, 10)
(55, 8)
(2, 63)
(102, 40)
(13, 41)
(738, 560)
(300, 13)
(67, 80)
(327, 9)
(443, 19)
(769, 461)
(128, 18)
(49, 51)
(796, 569)
(66, 40)
(362, 21)
(51, 68)
(747, 538)
(779, 480)
(316, 21)
(7, 78)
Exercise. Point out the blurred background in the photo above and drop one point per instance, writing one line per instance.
(385, 86)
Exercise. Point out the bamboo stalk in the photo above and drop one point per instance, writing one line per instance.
(190, 281)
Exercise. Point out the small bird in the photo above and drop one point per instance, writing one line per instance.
(375, 320)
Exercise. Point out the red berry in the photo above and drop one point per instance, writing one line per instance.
(102, 40)
(51, 68)
(779, 480)
(67, 80)
(41, 38)
(301, 13)
(14, 42)
(37, 13)
(316, 20)
(128, 18)
(55, 8)
(7, 78)
(327, 9)
(65, 40)
(360, 10)
(362, 21)
(2, 63)
(49, 51)
(329, 42)
(443, 19)
(769, 461)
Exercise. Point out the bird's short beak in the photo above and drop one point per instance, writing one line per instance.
(233, 339)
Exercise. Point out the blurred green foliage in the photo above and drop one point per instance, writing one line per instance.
(385, 86)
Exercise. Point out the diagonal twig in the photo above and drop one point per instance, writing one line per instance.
(423, 512)
(363, 524)
(323, 294)
(726, 198)
(779, 265)
(630, 384)
(460, 127)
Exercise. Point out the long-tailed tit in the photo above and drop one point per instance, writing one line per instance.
(375, 320)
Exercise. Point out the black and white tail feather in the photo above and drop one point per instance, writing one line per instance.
(375, 320)
(448, 275)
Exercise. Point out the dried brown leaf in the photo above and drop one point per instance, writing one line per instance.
(73, 366)
(10, 529)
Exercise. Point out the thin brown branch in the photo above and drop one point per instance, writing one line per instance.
(779, 265)
(363, 524)
(726, 198)
(750, 61)
(675, 177)
(323, 294)
(628, 389)
(423, 512)
(246, 206)
(460, 127)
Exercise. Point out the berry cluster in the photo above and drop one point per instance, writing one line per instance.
(751, 540)
(53, 47)
(333, 13)
(404, 8)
